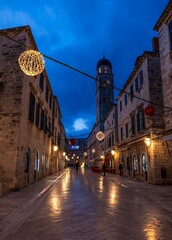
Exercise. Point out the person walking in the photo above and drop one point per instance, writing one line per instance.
(103, 169)
(77, 165)
(120, 169)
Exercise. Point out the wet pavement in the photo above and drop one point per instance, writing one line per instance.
(85, 205)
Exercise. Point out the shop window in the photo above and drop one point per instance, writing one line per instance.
(144, 163)
(36, 167)
(135, 163)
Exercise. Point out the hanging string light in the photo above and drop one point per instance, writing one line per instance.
(31, 62)
(100, 136)
(86, 74)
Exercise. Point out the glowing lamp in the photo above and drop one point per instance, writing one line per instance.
(112, 152)
(100, 136)
(85, 154)
(147, 141)
(31, 62)
(149, 110)
(55, 148)
(93, 150)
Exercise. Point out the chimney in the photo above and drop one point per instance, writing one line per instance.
(155, 44)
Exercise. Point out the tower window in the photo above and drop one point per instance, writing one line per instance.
(105, 69)
(100, 70)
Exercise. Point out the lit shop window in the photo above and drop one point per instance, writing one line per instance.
(144, 163)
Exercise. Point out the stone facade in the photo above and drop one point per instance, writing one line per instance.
(143, 87)
(30, 117)
(111, 138)
(164, 29)
(148, 84)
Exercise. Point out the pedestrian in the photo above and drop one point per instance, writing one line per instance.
(120, 169)
(103, 169)
(77, 165)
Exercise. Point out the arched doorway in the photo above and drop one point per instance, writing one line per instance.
(135, 165)
(144, 165)
(36, 165)
(27, 164)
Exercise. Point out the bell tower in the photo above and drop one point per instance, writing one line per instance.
(104, 91)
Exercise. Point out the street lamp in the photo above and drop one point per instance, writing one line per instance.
(112, 154)
(147, 141)
(55, 148)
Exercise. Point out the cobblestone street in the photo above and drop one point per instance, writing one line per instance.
(85, 205)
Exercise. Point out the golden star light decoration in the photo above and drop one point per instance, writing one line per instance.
(31, 62)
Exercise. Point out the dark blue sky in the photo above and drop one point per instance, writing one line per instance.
(79, 33)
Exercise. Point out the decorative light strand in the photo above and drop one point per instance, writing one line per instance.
(31, 62)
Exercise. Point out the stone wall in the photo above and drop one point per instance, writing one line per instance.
(20, 137)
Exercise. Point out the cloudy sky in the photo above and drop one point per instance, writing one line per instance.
(79, 33)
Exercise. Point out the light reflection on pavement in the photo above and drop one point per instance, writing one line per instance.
(85, 205)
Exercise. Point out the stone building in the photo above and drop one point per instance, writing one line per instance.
(30, 117)
(142, 89)
(111, 138)
(142, 134)
(164, 29)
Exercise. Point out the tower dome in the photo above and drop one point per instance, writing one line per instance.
(104, 61)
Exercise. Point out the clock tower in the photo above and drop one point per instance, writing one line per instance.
(104, 91)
